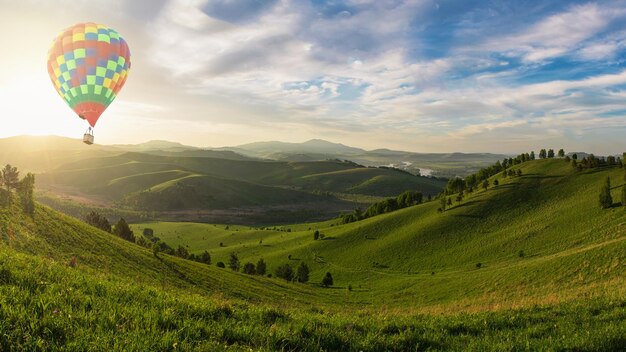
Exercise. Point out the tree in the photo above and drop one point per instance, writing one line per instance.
(233, 262)
(532, 155)
(25, 189)
(205, 258)
(519, 172)
(220, 265)
(442, 203)
(285, 272)
(327, 280)
(610, 160)
(496, 182)
(574, 163)
(261, 267)
(156, 249)
(485, 184)
(449, 202)
(10, 177)
(561, 153)
(459, 197)
(182, 252)
(302, 273)
(123, 230)
(96, 220)
(551, 153)
(624, 196)
(249, 269)
(316, 235)
(148, 232)
(574, 156)
(542, 154)
(605, 194)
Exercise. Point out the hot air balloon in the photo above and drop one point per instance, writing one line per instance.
(88, 64)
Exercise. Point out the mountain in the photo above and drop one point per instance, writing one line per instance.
(435, 164)
(550, 277)
(155, 145)
(313, 146)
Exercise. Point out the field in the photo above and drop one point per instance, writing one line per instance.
(551, 276)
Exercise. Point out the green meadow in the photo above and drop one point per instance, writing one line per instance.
(530, 264)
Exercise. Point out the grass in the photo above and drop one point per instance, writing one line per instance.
(415, 282)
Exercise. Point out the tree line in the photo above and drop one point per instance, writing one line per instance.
(406, 199)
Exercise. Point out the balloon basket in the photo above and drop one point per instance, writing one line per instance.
(88, 139)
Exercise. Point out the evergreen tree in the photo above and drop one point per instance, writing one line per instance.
(302, 273)
(561, 153)
(96, 220)
(10, 177)
(182, 252)
(327, 280)
(285, 272)
(574, 156)
(249, 269)
(532, 155)
(123, 230)
(542, 154)
(233, 262)
(605, 194)
(205, 258)
(25, 189)
(261, 267)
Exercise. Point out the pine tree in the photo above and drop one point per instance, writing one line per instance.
(233, 262)
(605, 195)
(302, 274)
(10, 177)
(261, 267)
(123, 230)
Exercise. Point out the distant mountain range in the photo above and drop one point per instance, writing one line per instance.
(43, 153)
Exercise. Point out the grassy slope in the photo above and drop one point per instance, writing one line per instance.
(551, 214)
(129, 299)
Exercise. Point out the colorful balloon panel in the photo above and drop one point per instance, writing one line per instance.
(88, 64)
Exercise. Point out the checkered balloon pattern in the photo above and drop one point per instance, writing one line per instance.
(88, 64)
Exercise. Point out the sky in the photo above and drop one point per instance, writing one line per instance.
(421, 75)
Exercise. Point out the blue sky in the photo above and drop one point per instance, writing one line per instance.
(423, 75)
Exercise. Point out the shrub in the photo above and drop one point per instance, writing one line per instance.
(479, 265)
(316, 235)
(220, 265)
(327, 280)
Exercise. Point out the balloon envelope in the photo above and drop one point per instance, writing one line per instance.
(88, 64)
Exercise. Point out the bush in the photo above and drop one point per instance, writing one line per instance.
(205, 258)
(327, 280)
(96, 220)
(479, 265)
(220, 265)
(316, 235)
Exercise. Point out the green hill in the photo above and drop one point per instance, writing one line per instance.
(413, 276)
(150, 182)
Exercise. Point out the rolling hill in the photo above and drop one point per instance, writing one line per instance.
(551, 277)
(177, 183)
